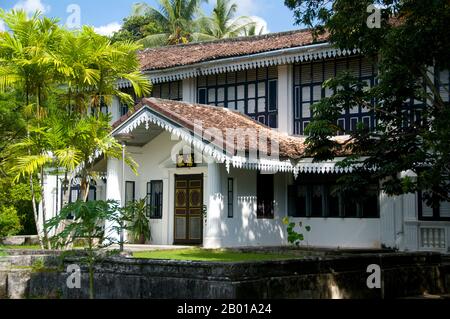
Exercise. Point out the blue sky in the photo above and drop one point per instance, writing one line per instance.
(107, 15)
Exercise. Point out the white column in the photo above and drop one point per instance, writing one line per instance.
(113, 186)
(114, 109)
(190, 90)
(213, 233)
(285, 99)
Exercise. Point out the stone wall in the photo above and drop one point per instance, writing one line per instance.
(314, 277)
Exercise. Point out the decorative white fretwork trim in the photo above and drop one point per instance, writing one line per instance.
(266, 59)
(268, 165)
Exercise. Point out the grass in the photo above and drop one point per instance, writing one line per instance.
(3, 254)
(197, 254)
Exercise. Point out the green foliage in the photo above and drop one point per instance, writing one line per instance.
(9, 222)
(181, 21)
(53, 82)
(223, 23)
(135, 28)
(87, 223)
(294, 237)
(413, 36)
(138, 223)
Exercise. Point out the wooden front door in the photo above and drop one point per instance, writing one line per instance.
(188, 210)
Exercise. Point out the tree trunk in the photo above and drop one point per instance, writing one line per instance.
(84, 183)
(35, 212)
(44, 211)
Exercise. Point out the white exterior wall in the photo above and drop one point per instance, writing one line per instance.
(398, 226)
(401, 228)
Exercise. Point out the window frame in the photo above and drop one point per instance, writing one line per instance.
(326, 185)
(151, 208)
(231, 82)
(230, 197)
(127, 183)
(298, 87)
(436, 211)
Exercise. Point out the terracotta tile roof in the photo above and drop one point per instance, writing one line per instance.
(187, 54)
(189, 115)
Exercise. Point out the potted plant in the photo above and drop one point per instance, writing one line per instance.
(138, 223)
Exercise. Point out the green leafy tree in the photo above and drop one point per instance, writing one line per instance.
(412, 39)
(87, 224)
(178, 20)
(135, 28)
(9, 221)
(53, 70)
(27, 67)
(223, 22)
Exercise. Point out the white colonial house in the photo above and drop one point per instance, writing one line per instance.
(213, 105)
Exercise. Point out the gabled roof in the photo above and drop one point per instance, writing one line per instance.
(204, 119)
(189, 54)
(206, 128)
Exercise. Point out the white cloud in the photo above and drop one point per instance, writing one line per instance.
(261, 24)
(2, 26)
(108, 29)
(31, 6)
(249, 7)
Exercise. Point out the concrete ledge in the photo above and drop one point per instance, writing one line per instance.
(21, 240)
(343, 276)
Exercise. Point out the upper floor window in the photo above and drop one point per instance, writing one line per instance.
(252, 92)
(168, 90)
(308, 90)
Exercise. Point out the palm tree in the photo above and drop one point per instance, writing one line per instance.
(43, 62)
(27, 66)
(95, 66)
(177, 19)
(252, 29)
(223, 24)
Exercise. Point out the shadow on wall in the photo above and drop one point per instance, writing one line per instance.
(246, 229)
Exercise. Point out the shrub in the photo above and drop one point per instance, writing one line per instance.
(9, 222)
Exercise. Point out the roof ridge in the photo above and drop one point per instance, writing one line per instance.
(229, 40)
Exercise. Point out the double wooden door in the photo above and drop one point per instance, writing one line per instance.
(188, 210)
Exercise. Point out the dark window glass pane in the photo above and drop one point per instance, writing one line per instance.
(350, 206)
(156, 199)
(333, 202)
(202, 96)
(265, 195)
(316, 201)
(297, 201)
(369, 204)
(273, 88)
(129, 192)
(273, 123)
(230, 198)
